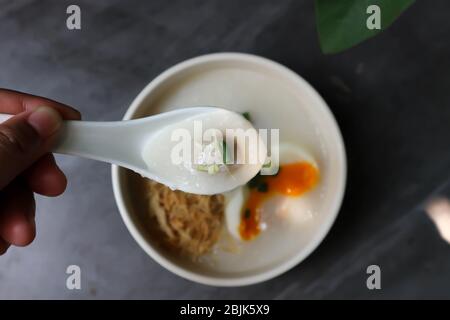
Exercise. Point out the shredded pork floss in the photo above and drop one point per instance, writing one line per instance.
(191, 223)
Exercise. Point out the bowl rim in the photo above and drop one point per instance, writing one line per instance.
(322, 230)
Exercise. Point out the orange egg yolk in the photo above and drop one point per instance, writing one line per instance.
(292, 179)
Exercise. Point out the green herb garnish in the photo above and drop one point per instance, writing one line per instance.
(255, 181)
(224, 152)
(213, 169)
(246, 115)
(202, 167)
(268, 164)
(263, 187)
(247, 214)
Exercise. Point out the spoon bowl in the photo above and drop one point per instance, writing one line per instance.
(146, 146)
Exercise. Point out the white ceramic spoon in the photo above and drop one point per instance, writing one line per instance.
(126, 143)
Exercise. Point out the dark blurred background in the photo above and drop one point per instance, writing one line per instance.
(390, 95)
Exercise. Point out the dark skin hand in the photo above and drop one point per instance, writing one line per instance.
(26, 164)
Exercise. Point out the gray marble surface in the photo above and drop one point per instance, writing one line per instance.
(389, 95)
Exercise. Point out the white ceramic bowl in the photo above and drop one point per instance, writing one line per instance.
(128, 198)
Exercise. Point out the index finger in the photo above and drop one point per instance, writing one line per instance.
(13, 102)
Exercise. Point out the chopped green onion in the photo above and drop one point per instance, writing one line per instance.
(255, 181)
(263, 187)
(268, 164)
(202, 167)
(246, 115)
(213, 169)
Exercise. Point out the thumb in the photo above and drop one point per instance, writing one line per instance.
(24, 138)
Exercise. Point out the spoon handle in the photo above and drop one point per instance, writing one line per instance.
(110, 142)
(104, 141)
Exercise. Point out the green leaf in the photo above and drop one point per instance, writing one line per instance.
(343, 23)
